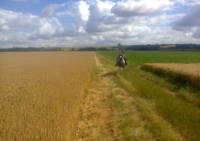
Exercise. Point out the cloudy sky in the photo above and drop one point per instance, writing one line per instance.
(63, 23)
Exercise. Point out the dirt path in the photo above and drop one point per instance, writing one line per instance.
(109, 113)
(96, 111)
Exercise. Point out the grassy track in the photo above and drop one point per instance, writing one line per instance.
(183, 116)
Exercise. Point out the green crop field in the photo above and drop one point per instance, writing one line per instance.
(140, 57)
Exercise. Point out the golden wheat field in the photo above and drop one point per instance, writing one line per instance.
(40, 94)
(187, 74)
(191, 68)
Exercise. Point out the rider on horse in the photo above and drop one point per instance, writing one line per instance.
(121, 55)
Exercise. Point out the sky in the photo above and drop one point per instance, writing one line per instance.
(79, 23)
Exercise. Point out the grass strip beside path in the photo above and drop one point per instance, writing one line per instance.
(183, 116)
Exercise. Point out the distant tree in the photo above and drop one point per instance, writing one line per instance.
(119, 45)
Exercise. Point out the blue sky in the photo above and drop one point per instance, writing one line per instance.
(29, 6)
(66, 23)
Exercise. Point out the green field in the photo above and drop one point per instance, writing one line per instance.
(172, 112)
(140, 57)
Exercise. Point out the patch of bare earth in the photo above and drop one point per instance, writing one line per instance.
(105, 110)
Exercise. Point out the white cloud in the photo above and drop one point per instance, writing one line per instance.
(130, 8)
(3, 37)
(64, 14)
(84, 10)
(101, 19)
(100, 22)
(164, 18)
(105, 6)
(190, 23)
(10, 20)
(79, 9)
(49, 27)
(50, 9)
(13, 22)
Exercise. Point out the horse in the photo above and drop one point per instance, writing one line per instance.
(121, 62)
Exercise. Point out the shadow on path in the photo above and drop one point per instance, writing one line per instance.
(111, 73)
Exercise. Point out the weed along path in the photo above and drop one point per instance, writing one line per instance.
(109, 112)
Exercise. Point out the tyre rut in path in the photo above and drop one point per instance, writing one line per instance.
(99, 117)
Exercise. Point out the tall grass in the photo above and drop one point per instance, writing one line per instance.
(181, 77)
(182, 115)
(41, 93)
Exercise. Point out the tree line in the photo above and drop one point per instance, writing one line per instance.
(167, 47)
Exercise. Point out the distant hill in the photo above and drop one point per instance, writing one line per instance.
(178, 47)
(16, 49)
(164, 47)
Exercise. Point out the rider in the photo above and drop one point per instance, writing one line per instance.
(121, 53)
